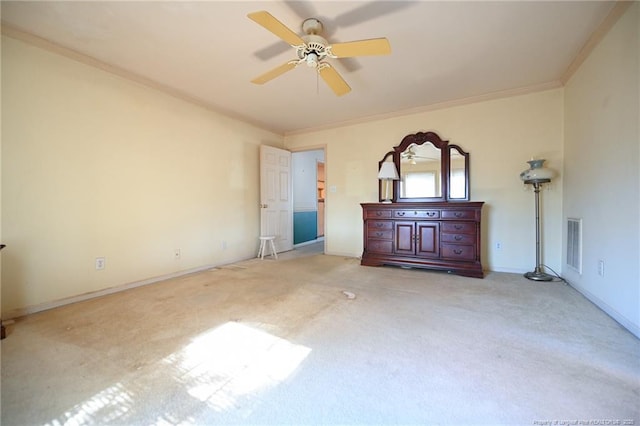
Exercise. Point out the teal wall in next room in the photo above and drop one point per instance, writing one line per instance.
(305, 226)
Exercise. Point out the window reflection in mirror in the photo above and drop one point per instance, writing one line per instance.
(420, 171)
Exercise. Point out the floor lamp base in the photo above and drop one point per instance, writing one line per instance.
(538, 275)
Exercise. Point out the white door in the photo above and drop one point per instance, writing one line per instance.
(276, 196)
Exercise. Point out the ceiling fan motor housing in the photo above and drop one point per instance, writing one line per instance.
(312, 26)
(314, 50)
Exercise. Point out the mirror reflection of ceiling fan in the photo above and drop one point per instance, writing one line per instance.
(313, 50)
(413, 157)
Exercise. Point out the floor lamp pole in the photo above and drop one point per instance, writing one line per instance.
(3, 332)
(538, 273)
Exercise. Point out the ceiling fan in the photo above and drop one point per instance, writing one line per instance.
(411, 155)
(313, 50)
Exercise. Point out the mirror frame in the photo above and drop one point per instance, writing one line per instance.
(419, 139)
(465, 155)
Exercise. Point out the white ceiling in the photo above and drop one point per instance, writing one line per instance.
(209, 51)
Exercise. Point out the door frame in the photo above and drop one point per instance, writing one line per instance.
(324, 149)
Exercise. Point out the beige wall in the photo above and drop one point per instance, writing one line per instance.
(602, 184)
(96, 165)
(500, 135)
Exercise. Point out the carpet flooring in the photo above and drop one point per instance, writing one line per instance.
(317, 339)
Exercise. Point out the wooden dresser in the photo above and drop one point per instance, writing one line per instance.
(435, 235)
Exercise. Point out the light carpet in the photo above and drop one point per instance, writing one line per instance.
(322, 340)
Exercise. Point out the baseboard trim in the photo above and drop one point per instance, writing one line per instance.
(20, 312)
(601, 304)
(307, 243)
(506, 270)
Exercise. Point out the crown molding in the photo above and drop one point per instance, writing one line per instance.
(42, 43)
(605, 26)
(435, 106)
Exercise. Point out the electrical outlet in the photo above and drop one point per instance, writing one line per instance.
(498, 245)
(601, 268)
(100, 263)
(177, 254)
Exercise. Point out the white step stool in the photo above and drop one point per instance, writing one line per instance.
(263, 243)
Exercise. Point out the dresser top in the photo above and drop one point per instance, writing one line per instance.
(427, 205)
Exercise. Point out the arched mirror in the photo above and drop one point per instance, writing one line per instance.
(429, 169)
(420, 171)
(458, 173)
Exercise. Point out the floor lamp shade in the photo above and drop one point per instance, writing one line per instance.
(536, 172)
(387, 173)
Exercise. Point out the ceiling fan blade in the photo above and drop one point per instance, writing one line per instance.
(270, 75)
(267, 20)
(334, 80)
(374, 46)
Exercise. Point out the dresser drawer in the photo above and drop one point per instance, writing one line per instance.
(459, 214)
(381, 214)
(380, 246)
(379, 234)
(458, 251)
(380, 224)
(458, 238)
(458, 227)
(416, 214)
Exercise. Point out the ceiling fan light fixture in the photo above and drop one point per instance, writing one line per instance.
(312, 60)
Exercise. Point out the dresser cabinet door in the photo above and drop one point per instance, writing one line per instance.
(417, 238)
(405, 241)
(427, 243)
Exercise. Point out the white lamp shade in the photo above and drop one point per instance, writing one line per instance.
(388, 171)
(537, 172)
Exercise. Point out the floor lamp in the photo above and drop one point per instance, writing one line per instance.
(536, 175)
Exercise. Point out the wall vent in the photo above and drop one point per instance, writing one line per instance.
(574, 244)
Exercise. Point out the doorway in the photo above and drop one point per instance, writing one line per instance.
(308, 172)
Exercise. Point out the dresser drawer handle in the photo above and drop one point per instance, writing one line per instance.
(379, 234)
(458, 214)
(378, 213)
(457, 251)
(458, 237)
(380, 224)
(458, 227)
(401, 213)
(431, 214)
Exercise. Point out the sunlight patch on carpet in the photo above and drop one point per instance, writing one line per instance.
(233, 362)
(107, 405)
